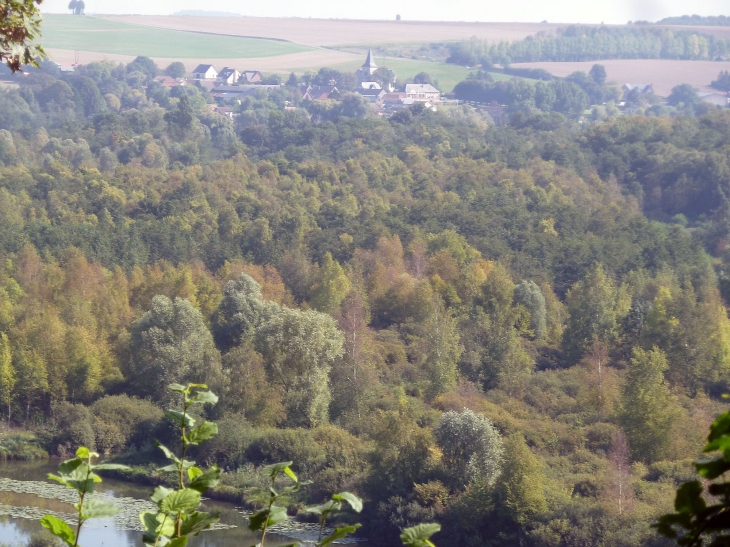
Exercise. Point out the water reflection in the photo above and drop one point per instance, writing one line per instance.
(103, 532)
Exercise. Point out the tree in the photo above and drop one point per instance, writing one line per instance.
(723, 81)
(594, 306)
(32, 378)
(328, 294)
(598, 74)
(182, 116)
(299, 348)
(19, 27)
(240, 312)
(175, 70)
(170, 343)
(77, 7)
(145, 65)
(443, 349)
(683, 94)
(521, 489)
(620, 482)
(648, 407)
(423, 78)
(8, 378)
(529, 295)
(472, 447)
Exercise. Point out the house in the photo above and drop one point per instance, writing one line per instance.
(318, 92)
(370, 85)
(640, 88)
(251, 77)
(368, 68)
(233, 92)
(166, 81)
(222, 110)
(375, 95)
(423, 92)
(228, 75)
(717, 99)
(205, 72)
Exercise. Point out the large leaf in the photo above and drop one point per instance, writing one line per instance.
(84, 453)
(160, 493)
(178, 542)
(59, 529)
(93, 509)
(203, 432)
(157, 523)
(352, 499)
(203, 397)
(110, 466)
(208, 479)
(268, 517)
(689, 498)
(339, 533)
(418, 536)
(180, 418)
(278, 468)
(324, 508)
(196, 522)
(181, 500)
(168, 453)
(177, 387)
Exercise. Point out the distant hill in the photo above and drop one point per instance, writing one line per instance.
(710, 21)
(204, 13)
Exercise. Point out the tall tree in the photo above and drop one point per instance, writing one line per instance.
(443, 349)
(332, 288)
(529, 295)
(522, 485)
(19, 29)
(648, 407)
(8, 379)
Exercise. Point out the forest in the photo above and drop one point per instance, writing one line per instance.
(583, 43)
(519, 332)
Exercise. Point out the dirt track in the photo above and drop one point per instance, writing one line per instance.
(329, 32)
(662, 73)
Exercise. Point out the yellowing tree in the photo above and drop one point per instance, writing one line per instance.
(7, 373)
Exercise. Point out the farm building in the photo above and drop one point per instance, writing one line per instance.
(205, 72)
(318, 92)
(374, 95)
(640, 88)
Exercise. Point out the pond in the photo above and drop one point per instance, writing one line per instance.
(26, 495)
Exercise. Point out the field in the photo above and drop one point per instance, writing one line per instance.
(66, 32)
(663, 74)
(330, 32)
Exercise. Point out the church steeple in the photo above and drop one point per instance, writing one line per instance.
(369, 67)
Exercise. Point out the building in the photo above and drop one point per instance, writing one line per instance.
(228, 75)
(166, 81)
(368, 68)
(373, 95)
(222, 110)
(370, 85)
(423, 92)
(640, 88)
(318, 92)
(205, 72)
(251, 77)
(717, 99)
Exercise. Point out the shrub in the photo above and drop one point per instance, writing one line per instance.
(123, 421)
(73, 427)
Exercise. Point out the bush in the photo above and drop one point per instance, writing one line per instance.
(297, 445)
(73, 428)
(123, 421)
(21, 446)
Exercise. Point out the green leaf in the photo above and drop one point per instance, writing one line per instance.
(196, 522)
(203, 432)
(180, 500)
(720, 427)
(203, 397)
(85, 486)
(182, 419)
(168, 453)
(339, 533)
(94, 508)
(712, 468)
(209, 479)
(268, 517)
(177, 387)
(74, 468)
(276, 469)
(157, 523)
(194, 472)
(418, 536)
(160, 493)
(325, 508)
(178, 542)
(84, 453)
(59, 529)
(354, 501)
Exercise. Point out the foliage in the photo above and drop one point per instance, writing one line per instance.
(20, 23)
(78, 474)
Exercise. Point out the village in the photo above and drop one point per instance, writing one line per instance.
(229, 86)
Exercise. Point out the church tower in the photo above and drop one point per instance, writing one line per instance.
(369, 68)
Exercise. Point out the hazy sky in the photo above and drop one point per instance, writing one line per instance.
(561, 11)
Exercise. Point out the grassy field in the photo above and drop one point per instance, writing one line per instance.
(113, 37)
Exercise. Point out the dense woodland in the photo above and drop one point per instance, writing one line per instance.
(519, 332)
(582, 43)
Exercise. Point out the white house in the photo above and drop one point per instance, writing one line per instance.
(205, 72)
(423, 92)
(228, 75)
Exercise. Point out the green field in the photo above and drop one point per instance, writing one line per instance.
(103, 36)
(447, 75)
